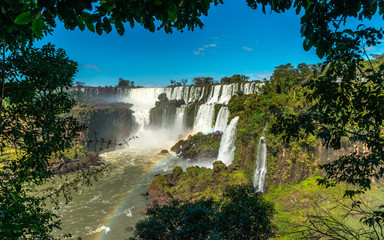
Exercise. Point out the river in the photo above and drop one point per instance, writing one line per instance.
(112, 203)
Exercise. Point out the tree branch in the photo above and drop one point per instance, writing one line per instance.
(2, 80)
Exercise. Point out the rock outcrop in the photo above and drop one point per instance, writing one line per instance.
(199, 146)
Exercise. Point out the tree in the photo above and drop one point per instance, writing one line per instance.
(79, 84)
(34, 127)
(174, 83)
(123, 83)
(202, 81)
(237, 78)
(184, 82)
(242, 214)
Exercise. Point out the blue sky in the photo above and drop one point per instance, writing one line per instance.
(234, 40)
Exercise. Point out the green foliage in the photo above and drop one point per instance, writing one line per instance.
(199, 183)
(123, 83)
(237, 78)
(242, 214)
(199, 146)
(203, 81)
(34, 126)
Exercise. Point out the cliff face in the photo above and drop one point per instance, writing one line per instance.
(104, 122)
(164, 113)
(108, 122)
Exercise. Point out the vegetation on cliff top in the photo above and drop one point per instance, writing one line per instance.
(197, 183)
(199, 146)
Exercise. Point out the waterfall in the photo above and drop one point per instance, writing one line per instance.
(215, 93)
(144, 99)
(204, 118)
(227, 144)
(179, 125)
(222, 119)
(261, 166)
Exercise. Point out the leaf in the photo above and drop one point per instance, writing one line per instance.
(99, 28)
(307, 44)
(90, 26)
(37, 26)
(24, 18)
(172, 14)
(309, 3)
(119, 27)
(81, 23)
(15, 197)
(350, 32)
(151, 26)
(303, 28)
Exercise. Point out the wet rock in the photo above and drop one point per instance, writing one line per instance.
(144, 211)
(164, 151)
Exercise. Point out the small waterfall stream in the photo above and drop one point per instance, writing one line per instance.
(261, 166)
(227, 144)
(222, 119)
(179, 125)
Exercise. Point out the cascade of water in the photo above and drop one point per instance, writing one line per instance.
(227, 92)
(180, 120)
(204, 118)
(215, 93)
(261, 166)
(227, 144)
(222, 119)
(143, 99)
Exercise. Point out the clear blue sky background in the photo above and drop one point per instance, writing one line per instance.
(234, 40)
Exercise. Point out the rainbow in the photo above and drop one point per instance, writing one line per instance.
(124, 203)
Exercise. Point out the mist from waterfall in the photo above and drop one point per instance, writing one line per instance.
(261, 166)
(227, 144)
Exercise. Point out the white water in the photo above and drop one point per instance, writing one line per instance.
(215, 93)
(204, 118)
(261, 166)
(222, 119)
(227, 144)
(143, 99)
(180, 120)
